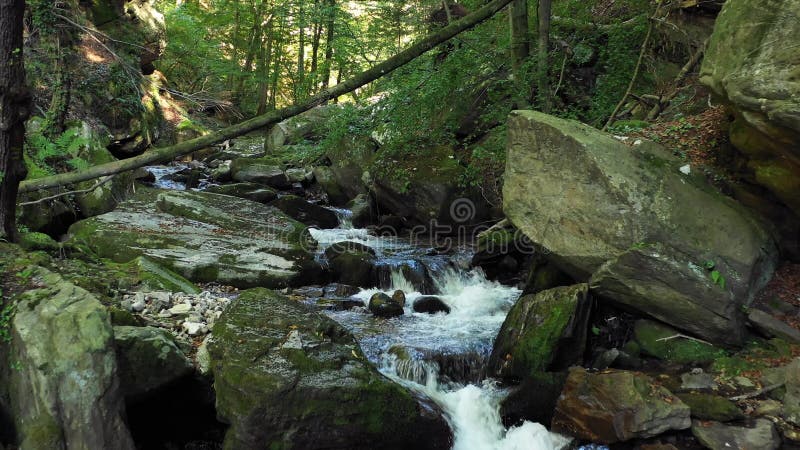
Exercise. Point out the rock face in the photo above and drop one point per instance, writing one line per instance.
(204, 237)
(542, 332)
(597, 204)
(609, 407)
(66, 392)
(288, 377)
(148, 359)
(717, 436)
(752, 63)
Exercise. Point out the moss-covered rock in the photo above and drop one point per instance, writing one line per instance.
(65, 392)
(38, 241)
(250, 191)
(592, 200)
(260, 171)
(151, 276)
(542, 332)
(354, 267)
(664, 342)
(288, 377)
(384, 306)
(203, 237)
(711, 407)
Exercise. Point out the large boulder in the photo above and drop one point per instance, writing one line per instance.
(309, 125)
(204, 237)
(250, 191)
(591, 201)
(306, 212)
(286, 376)
(384, 306)
(614, 406)
(717, 436)
(353, 267)
(751, 62)
(260, 171)
(64, 392)
(542, 332)
(149, 360)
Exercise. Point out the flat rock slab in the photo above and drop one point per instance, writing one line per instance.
(718, 436)
(204, 237)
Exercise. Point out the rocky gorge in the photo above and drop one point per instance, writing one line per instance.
(615, 299)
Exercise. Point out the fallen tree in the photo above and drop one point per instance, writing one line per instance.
(169, 153)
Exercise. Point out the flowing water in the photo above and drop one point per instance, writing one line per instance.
(441, 356)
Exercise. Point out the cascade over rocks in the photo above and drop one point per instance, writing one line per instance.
(751, 63)
(624, 214)
(614, 406)
(289, 377)
(204, 237)
(66, 393)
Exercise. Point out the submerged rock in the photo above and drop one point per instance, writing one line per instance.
(431, 305)
(204, 237)
(384, 306)
(65, 392)
(597, 204)
(609, 407)
(542, 332)
(717, 436)
(288, 377)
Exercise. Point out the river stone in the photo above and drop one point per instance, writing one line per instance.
(306, 212)
(542, 332)
(327, 181)
(430, 304)
(324, 394)
(65, 392)
(751, 62)
(718, 436)
(613, 406)
(250, 191)
(361, 206)
(260, 171)
(148, 359)
(770, 326)
(204, 237)
(591, 200)
(399, 297)
(711, 407)
(354, 268)
(384, 306)
(665, 343)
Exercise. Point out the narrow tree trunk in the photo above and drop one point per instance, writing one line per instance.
(263, 71)
(301, 56)
(252, 51)
(520, 36)
(59, 102)
(272, 117)
(277, 61)
(543, 87)
(14, 109)
(326, 73)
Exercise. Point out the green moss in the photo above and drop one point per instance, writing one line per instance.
(38, 241)
(658, 340)
(711, 407)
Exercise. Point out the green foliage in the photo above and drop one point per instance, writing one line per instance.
(6, 315)
(716, 277)
(45, 157)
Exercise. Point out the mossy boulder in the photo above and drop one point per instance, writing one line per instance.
(204, 237)
(384, 306)
(751, 63)
(542, 332)
(711, 407)
(249, 191)
(286, 377)
(152, 276)
(38, 241)
(260, 171)
(613, 406)
(665, 343)
(65, 392)
(356, 268)
(589, 200)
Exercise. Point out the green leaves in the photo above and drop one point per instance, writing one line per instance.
(716, 277)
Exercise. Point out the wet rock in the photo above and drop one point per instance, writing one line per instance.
(66, 392)
(148, 359)
(306, 212)
(327, 181)
(259, 171)
(361, 206)
(769, 326)
(384, 306)
(250, 191)
(634, 225)
(309, 291)
(717, 436)
(341, 290)
(204, 237)
(711, 407)
(609, 407)
(337, 304)
(666, 343)
(347, 246)
(298, 175)
(542, 332)
(431, 305)
(533, 399)
(399, 297)
(268, 391)
(353, 268)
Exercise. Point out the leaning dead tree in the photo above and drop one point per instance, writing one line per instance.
(372, 74)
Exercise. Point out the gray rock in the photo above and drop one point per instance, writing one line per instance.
(594, 203)
(698, 381)
(260, 171)
(66, 392)
(268, 390)
(792, 398)
(718, 436)
(769, 326)
(250, 191)
(148, 360)
(180, 309)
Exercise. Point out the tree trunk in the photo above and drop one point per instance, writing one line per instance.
(252, 50)
(299, 91)
(272, 117)
(326, 72)
(59, 102)
(14, 109)
(263, 71)
(520, 37)
(543, 88)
